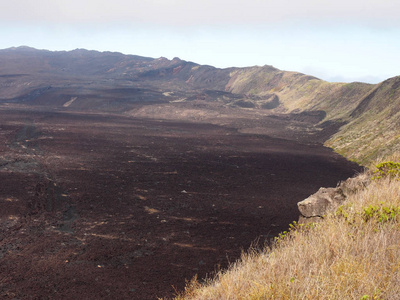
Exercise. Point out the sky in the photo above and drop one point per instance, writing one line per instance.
(352, 40)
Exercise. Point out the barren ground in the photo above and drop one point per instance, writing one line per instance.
(107, 207)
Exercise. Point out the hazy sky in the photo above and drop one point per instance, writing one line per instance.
(353, 40)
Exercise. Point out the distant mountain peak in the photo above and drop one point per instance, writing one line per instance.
(25, 48)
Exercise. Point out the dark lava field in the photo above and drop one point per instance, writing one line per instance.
(104, 206)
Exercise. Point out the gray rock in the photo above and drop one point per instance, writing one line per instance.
(352, 185)
(328, 199)
(318, 204)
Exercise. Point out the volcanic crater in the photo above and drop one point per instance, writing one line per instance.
(105, 195)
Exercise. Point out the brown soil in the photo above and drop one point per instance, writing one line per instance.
(108, 207)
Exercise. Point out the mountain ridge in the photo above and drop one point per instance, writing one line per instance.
(37, 77)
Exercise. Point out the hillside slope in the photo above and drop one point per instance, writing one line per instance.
(374, 128)
(299, 92)
(352, 254)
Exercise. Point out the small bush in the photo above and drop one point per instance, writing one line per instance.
(387, 169)
(294, 227)
(380, 213)
(343, 211)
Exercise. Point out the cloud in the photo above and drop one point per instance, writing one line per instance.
(330, 76)
(209, 12)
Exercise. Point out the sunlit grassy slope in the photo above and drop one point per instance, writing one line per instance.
(299, 92)
(371, 113)
(354, 253)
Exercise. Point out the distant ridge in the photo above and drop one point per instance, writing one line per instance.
(51, 78)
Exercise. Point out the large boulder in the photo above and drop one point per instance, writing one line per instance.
(326, 200)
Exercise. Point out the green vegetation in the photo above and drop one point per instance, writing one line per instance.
(353, 254)
(380, 213)
(387, 169)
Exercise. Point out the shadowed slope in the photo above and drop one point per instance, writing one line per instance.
(373, 130)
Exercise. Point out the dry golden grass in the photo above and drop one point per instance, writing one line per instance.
(353, 254)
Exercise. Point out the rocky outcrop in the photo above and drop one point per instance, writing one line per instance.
(326, 200)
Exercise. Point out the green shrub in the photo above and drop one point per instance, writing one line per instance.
(294, 227)
(380, 213)
(343, 211)
(387, 169)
